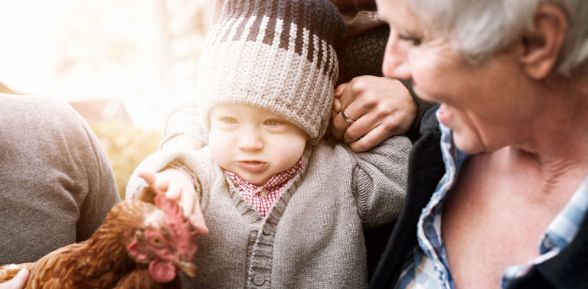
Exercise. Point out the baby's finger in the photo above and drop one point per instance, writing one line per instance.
(187, 201)
(160, 186)
(198, 220)
(173, 192)
(148, 177)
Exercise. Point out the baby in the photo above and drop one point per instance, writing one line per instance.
(285, 208)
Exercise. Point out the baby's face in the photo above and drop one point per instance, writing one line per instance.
(253, 143)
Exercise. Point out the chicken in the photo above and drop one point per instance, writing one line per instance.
(139, 245)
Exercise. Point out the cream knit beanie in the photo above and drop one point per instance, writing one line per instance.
(274, 54)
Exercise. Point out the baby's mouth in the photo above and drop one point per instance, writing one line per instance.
(252, 166)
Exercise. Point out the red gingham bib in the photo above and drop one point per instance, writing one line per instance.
(263, 197)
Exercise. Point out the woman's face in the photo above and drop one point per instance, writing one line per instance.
(479, 102)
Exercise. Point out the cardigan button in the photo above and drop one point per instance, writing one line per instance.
(258, 279)
(267, 230)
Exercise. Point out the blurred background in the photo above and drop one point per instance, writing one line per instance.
(123, 64)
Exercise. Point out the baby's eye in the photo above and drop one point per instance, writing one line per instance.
(272, 122)
(227, 120)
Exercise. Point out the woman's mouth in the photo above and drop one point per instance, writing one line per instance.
(252, 166)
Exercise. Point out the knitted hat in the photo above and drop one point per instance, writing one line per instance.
(277, 55)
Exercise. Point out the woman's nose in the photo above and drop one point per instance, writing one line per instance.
(395, 64)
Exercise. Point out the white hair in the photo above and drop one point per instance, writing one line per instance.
(479, 28)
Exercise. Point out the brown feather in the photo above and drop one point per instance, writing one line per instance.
(101, 262)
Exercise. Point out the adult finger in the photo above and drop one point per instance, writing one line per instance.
(359, 126)
(343, 97)
(370, 140)
(338, 126)
(18, 282)
(336, 106)
(340, 89)
(346, 94)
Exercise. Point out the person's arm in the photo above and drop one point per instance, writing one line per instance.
(379, 181)
(55, 182)
(91, 165)
(181, 175)
(183, 130)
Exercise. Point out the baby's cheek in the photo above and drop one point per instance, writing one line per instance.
(220, 157)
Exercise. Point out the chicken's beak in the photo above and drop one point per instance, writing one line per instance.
(188, 267)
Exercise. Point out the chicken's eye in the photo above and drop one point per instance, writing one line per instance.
(156, 241)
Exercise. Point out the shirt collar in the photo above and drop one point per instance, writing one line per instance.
(558, 235)
(274, 182)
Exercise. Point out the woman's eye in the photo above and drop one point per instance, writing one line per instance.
(414, 41)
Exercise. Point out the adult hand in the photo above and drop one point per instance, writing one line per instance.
(376, 109)
(18, 282)
(177, 185)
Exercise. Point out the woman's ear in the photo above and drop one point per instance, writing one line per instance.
(541, 48)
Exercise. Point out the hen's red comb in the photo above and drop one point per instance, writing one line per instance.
(183, 230)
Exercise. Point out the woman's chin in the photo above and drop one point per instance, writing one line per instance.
(467, 144)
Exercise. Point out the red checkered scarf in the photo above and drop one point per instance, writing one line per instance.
(263, 197)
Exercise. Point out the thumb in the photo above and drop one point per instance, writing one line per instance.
(157, 185)
(148, 177)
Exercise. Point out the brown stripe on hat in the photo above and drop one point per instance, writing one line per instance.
(287, 11)
(305, 14)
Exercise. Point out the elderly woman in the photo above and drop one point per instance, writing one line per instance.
(511, 78)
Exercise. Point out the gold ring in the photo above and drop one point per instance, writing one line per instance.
(347, 118)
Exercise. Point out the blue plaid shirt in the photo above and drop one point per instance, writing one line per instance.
(428, 267)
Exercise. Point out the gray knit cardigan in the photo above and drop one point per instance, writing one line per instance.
(313, 235)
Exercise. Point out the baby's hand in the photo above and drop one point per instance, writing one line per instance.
(179, 186)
